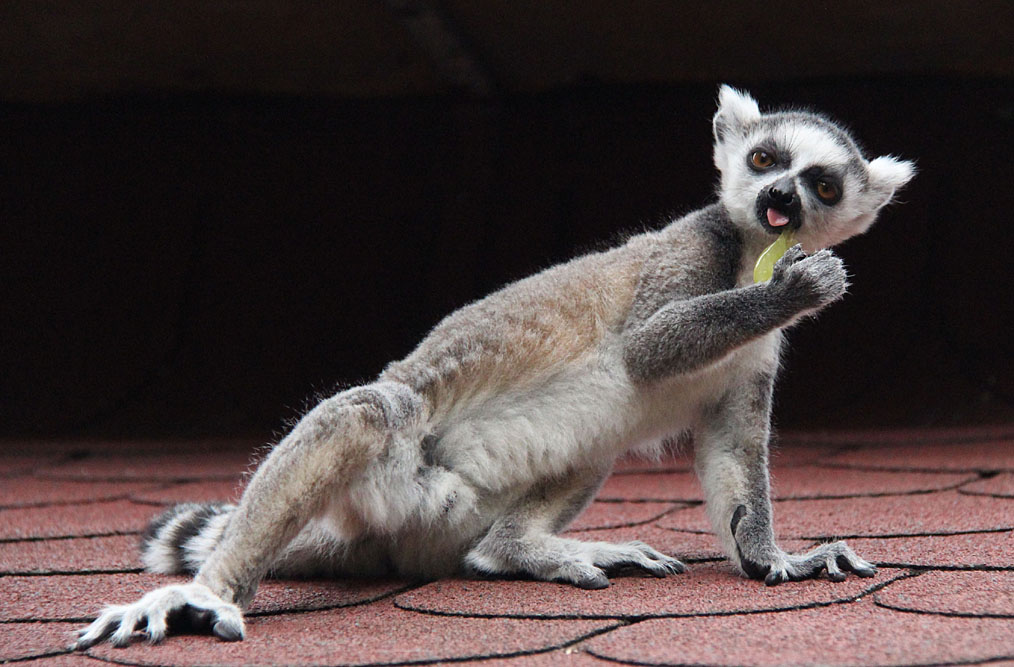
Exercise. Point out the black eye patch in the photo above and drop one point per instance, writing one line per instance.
(826, 185)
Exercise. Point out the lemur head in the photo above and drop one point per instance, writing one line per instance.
(798, 170)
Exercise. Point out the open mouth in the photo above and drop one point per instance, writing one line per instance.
(776, 220)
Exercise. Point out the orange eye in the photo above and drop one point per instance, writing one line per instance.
(826, 190)
(762, 160)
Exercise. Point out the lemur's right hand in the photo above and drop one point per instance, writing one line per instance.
(810, 282)
(189, 607)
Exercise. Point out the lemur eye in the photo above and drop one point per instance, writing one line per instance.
(762, 160)
(827, 191)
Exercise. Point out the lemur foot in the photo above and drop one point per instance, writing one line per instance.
(189, 607)
(836, 558)
(582, 564)
(600, 559)
(638, 555)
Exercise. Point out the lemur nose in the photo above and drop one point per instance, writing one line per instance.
(781, 195)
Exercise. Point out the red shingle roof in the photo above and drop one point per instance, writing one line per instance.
(934, 509)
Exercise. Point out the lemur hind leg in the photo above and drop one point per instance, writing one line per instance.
(732, 463)
(326, 452)
(523, 541)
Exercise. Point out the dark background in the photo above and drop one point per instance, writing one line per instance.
(211, 212)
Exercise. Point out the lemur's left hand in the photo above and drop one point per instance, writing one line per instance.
(810, 282)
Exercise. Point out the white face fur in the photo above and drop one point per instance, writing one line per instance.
(802, 166)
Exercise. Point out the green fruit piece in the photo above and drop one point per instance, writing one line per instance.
(765, 266)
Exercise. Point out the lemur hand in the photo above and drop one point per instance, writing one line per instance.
(810, 282)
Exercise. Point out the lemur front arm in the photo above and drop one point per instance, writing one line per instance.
(687, 335)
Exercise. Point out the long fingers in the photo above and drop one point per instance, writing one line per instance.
(190, 607)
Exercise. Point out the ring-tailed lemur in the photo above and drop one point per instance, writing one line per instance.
(476, 451)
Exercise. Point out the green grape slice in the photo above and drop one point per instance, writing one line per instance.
(765, 266)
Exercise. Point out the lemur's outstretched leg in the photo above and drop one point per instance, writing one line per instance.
(731, 459)
(523, 540)
(326, 450)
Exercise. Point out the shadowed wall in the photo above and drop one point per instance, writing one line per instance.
(177, 262)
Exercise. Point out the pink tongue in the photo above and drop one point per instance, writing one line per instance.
(776, 219)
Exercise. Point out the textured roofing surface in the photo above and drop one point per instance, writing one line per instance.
(934, 509)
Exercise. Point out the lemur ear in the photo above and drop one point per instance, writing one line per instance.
(735, 110)
(889, 174)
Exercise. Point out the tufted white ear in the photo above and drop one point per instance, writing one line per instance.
(888, 174)
(736, 110)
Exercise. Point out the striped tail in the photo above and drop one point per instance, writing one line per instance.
(181, 538)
